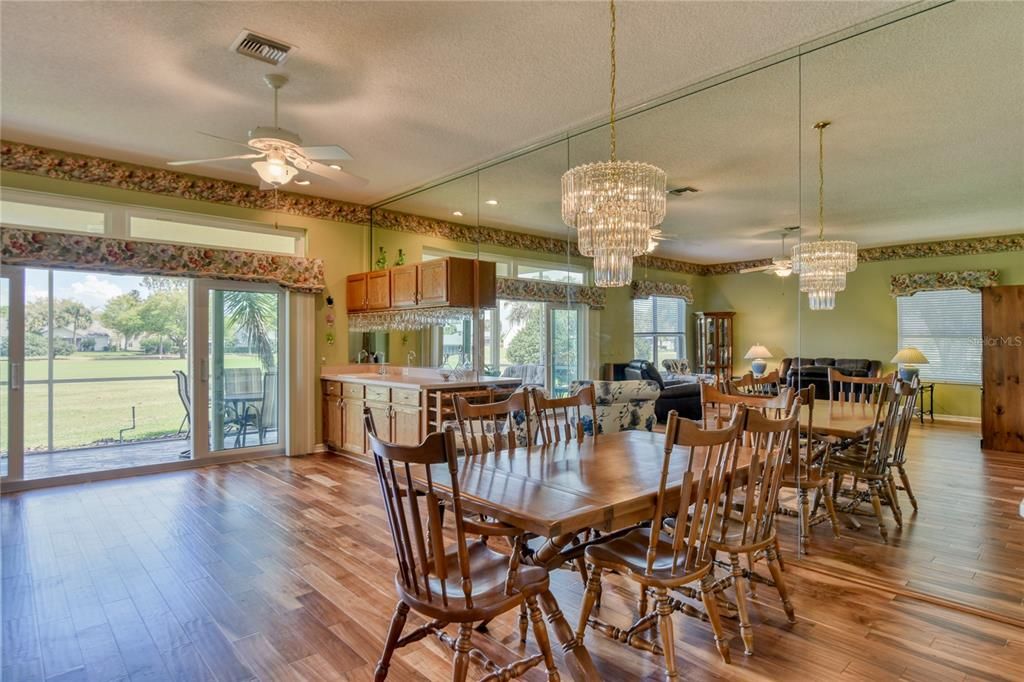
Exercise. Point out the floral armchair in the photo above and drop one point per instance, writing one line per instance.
(621, 405)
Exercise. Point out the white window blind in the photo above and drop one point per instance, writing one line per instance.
(659, 328)
(946, 327)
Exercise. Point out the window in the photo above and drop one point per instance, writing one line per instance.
(39, 211)
(659, 328)
(549, 273)
(946, 327)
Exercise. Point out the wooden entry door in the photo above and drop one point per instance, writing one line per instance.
(1002, 364)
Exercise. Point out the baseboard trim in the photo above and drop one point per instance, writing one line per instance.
(957, 419)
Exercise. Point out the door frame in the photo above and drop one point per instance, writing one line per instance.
(200, 346)
(15, 393)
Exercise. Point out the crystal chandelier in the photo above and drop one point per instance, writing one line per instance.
(613, 205)
(407, 320)
(822, 265)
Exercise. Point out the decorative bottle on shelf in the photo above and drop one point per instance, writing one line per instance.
(382, 258)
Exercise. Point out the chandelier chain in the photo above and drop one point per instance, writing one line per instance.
(612, 118)
(821, 181)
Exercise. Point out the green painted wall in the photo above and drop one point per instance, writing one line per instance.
(863, 323)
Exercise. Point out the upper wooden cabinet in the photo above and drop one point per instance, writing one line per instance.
(460, 282)
(355, 292)
(405, 286)
(378, 290)
(434, 282)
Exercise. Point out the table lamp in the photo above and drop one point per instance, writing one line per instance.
(758, 353)
(906, 359)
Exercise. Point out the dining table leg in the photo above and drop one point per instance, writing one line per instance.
(577, 658)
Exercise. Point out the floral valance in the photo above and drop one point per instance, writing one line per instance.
(549, 292)
(673, 290)
(90, 252)
(910, 283)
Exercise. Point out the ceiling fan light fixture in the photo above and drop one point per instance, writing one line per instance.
(274, 170)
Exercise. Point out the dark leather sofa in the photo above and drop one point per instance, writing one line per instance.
(803, 372)
(684, 398)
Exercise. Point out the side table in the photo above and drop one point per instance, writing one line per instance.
(928, 389)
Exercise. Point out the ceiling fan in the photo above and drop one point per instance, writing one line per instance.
(780, 267)
(282, 154)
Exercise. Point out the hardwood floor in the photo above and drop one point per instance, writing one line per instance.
(281, 569)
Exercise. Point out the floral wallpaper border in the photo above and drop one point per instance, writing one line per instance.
(909, 283)
(90, 252)
(25, 158)
(647, 289)
(550, 292)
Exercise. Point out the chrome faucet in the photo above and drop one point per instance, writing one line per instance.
(383, 365)
(363, 354)
(410, 357)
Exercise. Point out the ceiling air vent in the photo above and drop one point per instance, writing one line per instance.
(680, 191)
(269, 50)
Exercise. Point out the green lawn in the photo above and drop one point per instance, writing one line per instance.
(93, 412)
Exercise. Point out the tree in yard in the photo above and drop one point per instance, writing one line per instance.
(255, 316)
(155, 284)
(527, 345)
(165, 314)
(67, 313)
(37, 315)
(122, 316)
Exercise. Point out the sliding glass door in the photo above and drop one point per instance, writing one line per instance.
(238, 383)
(12, 371)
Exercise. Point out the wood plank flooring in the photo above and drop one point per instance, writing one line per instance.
(281, 569)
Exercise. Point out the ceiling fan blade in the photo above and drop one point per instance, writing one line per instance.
(225, 139)
(219, 158)
(326, 152)
(341, 176)
(763, 268)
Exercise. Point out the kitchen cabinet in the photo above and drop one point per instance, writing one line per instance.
(455, 282)
(405, 425)
(355, 292)
(378, 290)
(331, 412)
(405, 286)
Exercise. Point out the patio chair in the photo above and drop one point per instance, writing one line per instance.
(262, 417)
(186, 402)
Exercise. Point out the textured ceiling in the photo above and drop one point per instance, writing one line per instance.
(414, 91)
(927, 143)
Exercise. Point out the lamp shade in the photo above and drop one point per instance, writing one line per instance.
(757, 352)
(909, 356)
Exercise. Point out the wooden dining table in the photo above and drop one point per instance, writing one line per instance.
(608, 483)
(840, 419)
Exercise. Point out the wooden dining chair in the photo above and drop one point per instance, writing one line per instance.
(561, 419)
(465, 584)
(847, 389)
(661, 558)
(869, 461)
(492, 427)
(748, 525)
(748, 384)
(899, 456)
(803, 473)
(719, 405)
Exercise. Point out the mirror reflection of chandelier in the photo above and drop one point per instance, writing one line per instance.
(822, 265)
(613, 205)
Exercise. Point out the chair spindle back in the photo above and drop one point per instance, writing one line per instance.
(771, 442)
(908, 392)
(847, 389)
(491, 427)
(767, 385)
(719, 404)
(562, 418)
(711, 454)
(418, 541)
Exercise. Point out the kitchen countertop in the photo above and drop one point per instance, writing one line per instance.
(415, 382)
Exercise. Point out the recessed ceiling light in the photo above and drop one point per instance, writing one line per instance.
(491, 202)
(457, 213)
(335, 166)
(302, 182)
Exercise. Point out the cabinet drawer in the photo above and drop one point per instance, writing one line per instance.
(378, 393)
(405, 396)
(332, 387)
(352, 390)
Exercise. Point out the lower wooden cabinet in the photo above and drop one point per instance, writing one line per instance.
(406, 423)
(381, 419)
(354, 436)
